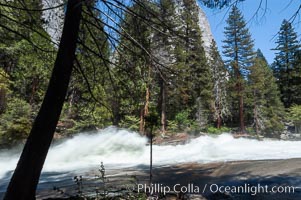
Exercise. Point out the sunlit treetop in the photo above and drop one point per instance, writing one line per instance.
(219, 3)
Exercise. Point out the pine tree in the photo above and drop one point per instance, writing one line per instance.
(153, 74)
(133, 73)
(198, 75)
(220, 75)
(162, 49)
(87, 99)
(27, 49)
(26, 56)
(285, 60)
(172, 43)
(296, 88)
(238, 48)
(267, 109)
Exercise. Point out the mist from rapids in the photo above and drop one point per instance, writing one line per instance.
(123, 148)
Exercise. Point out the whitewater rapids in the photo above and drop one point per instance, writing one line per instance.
(122, 148)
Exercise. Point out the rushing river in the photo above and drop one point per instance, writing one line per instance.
(122, 148)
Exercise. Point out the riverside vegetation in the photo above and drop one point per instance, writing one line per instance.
(120, 62)
(187, 88)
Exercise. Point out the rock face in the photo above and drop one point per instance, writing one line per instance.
(54, 18)
(207, 36)
(203, 23)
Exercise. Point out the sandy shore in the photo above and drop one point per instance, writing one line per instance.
(206, 177)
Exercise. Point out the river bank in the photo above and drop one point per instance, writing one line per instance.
(204, 180)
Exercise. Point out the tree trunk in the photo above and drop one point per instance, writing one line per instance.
(144, 111)
(24, 181)
(241, 113)
(163, 105)
(239, 87)
(70, 107)
(116, 116)
(241, 103)
(219, 121)
(142, 121)
(218, 109)
(34, 87)
(71, 100)
(256, 121)
(151, 157)
(241, 100)
(2, 100)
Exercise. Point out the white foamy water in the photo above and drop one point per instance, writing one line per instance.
(124, 148)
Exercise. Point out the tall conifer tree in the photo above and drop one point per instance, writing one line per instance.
(285, 61)
(238, 48)
(220, 85)
(133, 74)
(267, 109)
(199, 74)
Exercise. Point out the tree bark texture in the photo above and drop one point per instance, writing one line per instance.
(25, 179)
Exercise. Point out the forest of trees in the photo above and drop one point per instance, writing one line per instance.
(159, 68)
(118, 63)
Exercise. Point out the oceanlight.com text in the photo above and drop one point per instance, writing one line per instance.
(250, 189)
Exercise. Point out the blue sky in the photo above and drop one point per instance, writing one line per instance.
(263, 27)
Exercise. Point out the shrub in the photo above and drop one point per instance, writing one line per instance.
(295, 116)
(214, 130)
(130, 122)
(182, 120)
(15, 122)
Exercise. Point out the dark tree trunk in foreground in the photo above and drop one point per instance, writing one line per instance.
(24, 181)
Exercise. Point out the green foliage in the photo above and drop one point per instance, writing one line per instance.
(130, 122)
(251, 130)
(238, 45)
(32, 71)
(25, 61)
(15, 122)
(172, 126)
(238, 48)
(274, 126)
(183, 120)
(4, 89)
(264, 98)
(108, 87)
(134, 73)
(192, 85)
(220, 87)
(214, 130)
(89, 86)
(294, 114)
(286, 65)
(28, 56)
(176, 86)
(89, 117)
(218, 3)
